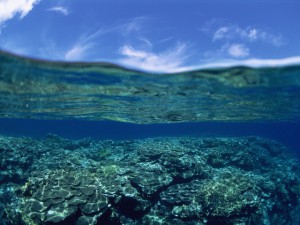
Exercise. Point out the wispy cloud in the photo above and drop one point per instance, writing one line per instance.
(222, 30)
(59, 9)
(166, 39)
(86, 43)
(249, 34)
(130, 29)
(145, 41)
(171, 60)
(83, 46)
(11, 8)
(221, 33)
(134, 25)
(78, 51)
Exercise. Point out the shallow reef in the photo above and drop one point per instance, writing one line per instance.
(169, 180)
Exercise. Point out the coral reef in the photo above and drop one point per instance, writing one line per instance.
(182, 180)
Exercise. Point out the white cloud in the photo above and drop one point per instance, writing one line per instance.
(234, 50)
(83, 46)
(77, 52)
(178, 67)
(238, 50)
(131, 52)
(221, 33)
(146, 41)
(253, 34)
(236, 40)
(221, 30)
(11, 8)
(134, 25)
(167, 61)
(249, 34)
(254, 63)
(60, 9)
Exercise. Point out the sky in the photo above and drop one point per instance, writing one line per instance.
(156, 35)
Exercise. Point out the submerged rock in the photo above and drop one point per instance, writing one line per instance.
(211, 181)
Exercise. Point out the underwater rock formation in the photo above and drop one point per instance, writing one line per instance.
(182, 180)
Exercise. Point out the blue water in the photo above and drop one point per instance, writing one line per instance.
(105, 101)
(145, 137)
(285, 133)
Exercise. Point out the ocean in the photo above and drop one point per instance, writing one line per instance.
(97, 143)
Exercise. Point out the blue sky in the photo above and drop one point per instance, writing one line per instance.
(157, 35)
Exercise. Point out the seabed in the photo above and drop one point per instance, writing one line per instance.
(169, 180)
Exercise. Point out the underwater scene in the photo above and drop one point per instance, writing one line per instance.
(97, 143)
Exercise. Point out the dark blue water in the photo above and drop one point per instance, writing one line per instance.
(285, 133)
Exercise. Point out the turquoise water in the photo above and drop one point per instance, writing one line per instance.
(96, 143)
(100, 91)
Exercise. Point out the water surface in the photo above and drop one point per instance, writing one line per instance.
(100, 91)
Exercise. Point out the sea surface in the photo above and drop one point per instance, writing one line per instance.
(211, 146)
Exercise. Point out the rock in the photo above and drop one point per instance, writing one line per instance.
(193, 181)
